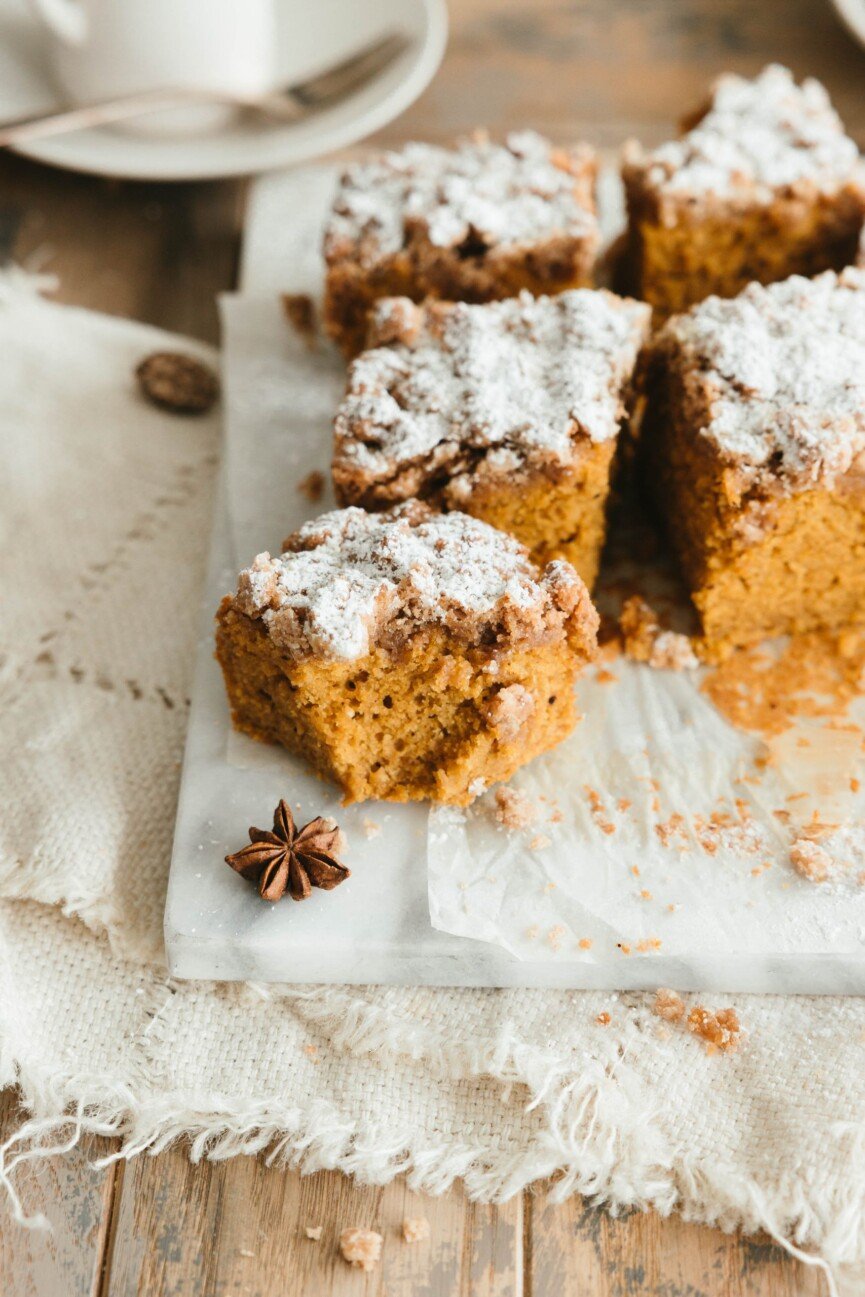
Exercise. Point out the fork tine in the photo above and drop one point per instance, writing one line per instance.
(347, 76)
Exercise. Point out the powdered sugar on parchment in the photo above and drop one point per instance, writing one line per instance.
(786, 368)
(766, 133)
(349, 578)
(518, 380)
(511, 193)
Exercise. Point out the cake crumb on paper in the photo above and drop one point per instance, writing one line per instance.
(312, 486)
(603, 1019)
(370, 827)
(415, 1229)
(811, 860)
(539, 842)
(361, 1248)
(299, 310)
(513, 809)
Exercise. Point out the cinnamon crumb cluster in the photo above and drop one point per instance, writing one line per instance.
(720, 1031)
(644, 640)
(361, 1248)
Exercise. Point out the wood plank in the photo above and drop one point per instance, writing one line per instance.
(76, 1199)
(157, 253)
(605, 71)
(582, 1250)
(239, 1228)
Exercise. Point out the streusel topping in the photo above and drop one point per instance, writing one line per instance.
(784, 367)
(521, 191)
(509, 382)
(766, 133)
(351, 579)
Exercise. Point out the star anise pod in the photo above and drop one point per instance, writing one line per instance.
(288, 859)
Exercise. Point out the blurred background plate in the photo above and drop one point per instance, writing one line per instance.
(853, 14)
(329, 30)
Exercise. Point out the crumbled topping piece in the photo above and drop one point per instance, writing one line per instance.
(540, 842)
(300, 312)
(509, 710)
(781, 369)
(719, 1030)
(645, 641)
(177, 382)
(314, 1232)
(811, 860)
(513, 809)
(350, 579)
(361, 1248)
(491, 389)
(415, 1229)
(312, 486)
(756, 137)
(603, 1019)
(522, 191)
(668, 1005)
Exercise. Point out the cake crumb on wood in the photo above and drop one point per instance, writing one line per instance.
(415, 1229)
(314, 1232)
(645, 641)
(361, 1248)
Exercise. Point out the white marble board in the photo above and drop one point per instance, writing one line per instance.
(779, 935)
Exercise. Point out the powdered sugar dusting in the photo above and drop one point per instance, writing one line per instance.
(350, 578)
(786, 368)
(515, 381)
(518, 192)
(767, 132)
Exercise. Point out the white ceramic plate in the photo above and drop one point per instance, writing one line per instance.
(330, 30)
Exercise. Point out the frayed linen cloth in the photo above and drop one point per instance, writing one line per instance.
(105, 519)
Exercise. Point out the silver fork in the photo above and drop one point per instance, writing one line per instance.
(291, 103)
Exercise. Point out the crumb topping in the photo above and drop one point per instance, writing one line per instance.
(415, 1229)
(514, 809)
(361, 1248)
(502, 385)
(757, 136)
(644, 640)
(782, 368)
(350, 579)
(521, 191)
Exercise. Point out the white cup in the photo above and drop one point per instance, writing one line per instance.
(102, 49)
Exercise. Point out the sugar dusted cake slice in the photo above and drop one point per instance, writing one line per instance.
(409, 654)
(510, 411)
(764, 184)
(755, 433)
(474, 223)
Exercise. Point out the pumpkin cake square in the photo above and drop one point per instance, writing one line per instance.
(763, 184)
(406, 655)
(473, 224)
(509, 411)
(755, 436)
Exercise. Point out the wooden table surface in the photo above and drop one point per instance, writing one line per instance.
(158, 1226)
